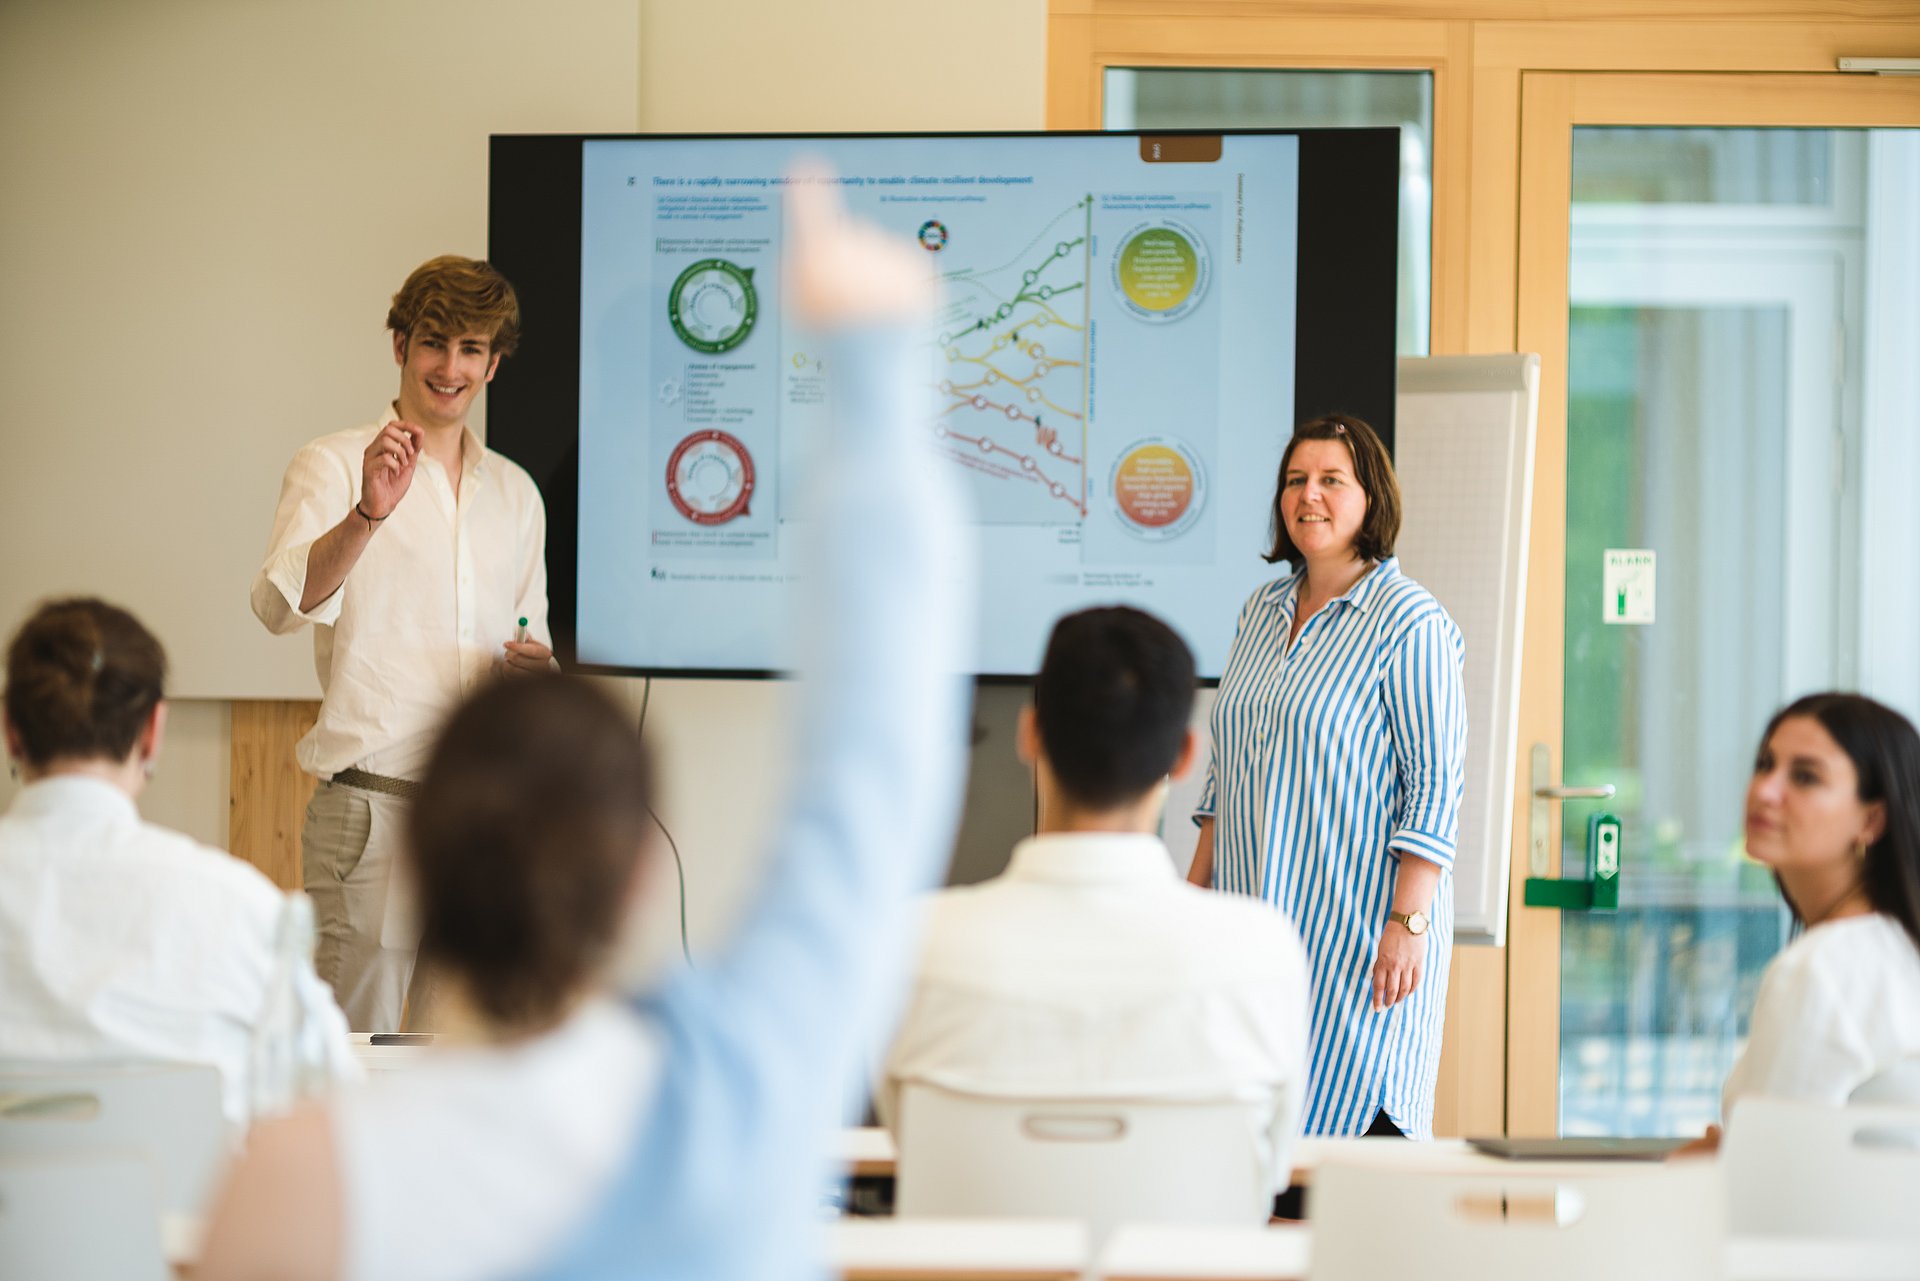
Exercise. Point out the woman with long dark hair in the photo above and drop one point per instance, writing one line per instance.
(1834, 810)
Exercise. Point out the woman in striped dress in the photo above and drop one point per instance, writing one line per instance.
(1339, 737)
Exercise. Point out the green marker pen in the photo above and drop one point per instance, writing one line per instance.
(520, 635)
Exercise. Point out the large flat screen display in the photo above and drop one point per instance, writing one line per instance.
(1130, 326)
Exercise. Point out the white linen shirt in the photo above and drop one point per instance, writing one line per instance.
(421, 618)
(1839, 1006)
(1090, 970)
(123, 940)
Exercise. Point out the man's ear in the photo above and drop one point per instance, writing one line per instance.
(1189, 752)
(1026, 736)
(400, 349)
(16, 746)
(152, 734)
(493, 366)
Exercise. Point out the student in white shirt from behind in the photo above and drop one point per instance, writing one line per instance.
(1090, 969)
(122, 940)
(1834, 809)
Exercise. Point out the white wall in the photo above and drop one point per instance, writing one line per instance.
(189, 791)
(842, 66)
(206, 206)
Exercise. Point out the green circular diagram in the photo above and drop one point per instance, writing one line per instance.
(713, 305)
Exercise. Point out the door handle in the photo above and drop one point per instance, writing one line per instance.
(1603, 792)
(1601, 887)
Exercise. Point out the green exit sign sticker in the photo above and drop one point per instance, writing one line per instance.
(1627, 586)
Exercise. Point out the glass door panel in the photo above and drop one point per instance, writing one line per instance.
(1718, 300)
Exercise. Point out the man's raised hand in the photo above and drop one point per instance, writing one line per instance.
(387, 468)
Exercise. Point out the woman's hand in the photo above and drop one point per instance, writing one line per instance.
(1707, 1144)
(1397, 965)
(1401, 958)
(1200, 871)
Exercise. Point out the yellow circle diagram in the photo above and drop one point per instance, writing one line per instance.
(1161, 270)
(1158, 488)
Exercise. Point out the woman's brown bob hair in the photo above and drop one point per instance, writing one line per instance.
(525, 838)
(83, 676)
(1380, 527)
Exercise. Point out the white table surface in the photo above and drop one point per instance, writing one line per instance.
(383, 1058)
(1155, 1252)
(1037, 1249)
(870, 1150)
(940, 1249)
(950, 1249)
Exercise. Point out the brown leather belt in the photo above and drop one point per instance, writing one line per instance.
(377, 783)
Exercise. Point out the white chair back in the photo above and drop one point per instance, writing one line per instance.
(1650, 1223)
(79, 1218)
(1898, 1084)
(1104, 1162)
(168, 1112)
(1811, 1170)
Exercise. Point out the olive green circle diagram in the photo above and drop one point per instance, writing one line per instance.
(713, 305)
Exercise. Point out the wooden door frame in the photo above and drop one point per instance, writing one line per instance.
(1553, 105)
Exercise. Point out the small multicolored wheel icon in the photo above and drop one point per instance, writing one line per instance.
(933, 235)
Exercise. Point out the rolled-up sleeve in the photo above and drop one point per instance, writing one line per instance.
(314, 495)
(1426, 714)
(1209, 794)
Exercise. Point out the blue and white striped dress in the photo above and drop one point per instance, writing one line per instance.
(1327, 756)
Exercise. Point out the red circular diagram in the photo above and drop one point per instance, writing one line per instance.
(710, 478)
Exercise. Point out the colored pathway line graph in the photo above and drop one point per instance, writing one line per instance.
(1013, 409)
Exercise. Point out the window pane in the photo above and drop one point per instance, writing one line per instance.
(1704, 166)
(1185, 98)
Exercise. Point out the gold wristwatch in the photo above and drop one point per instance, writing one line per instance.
(1416, 922)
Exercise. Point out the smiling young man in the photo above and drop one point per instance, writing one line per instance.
(415, 552)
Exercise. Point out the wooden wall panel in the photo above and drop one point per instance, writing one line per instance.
(269, 790)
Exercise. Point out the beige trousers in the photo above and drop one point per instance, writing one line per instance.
(364, 947)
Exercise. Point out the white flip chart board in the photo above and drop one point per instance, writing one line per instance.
(1463, 450)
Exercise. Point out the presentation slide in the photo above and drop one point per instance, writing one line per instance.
(1112, 374)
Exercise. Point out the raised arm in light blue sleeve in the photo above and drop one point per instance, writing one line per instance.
(761, 1042)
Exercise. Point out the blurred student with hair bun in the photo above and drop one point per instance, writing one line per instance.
(120, 939)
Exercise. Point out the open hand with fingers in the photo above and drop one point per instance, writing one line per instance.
(387, 468)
